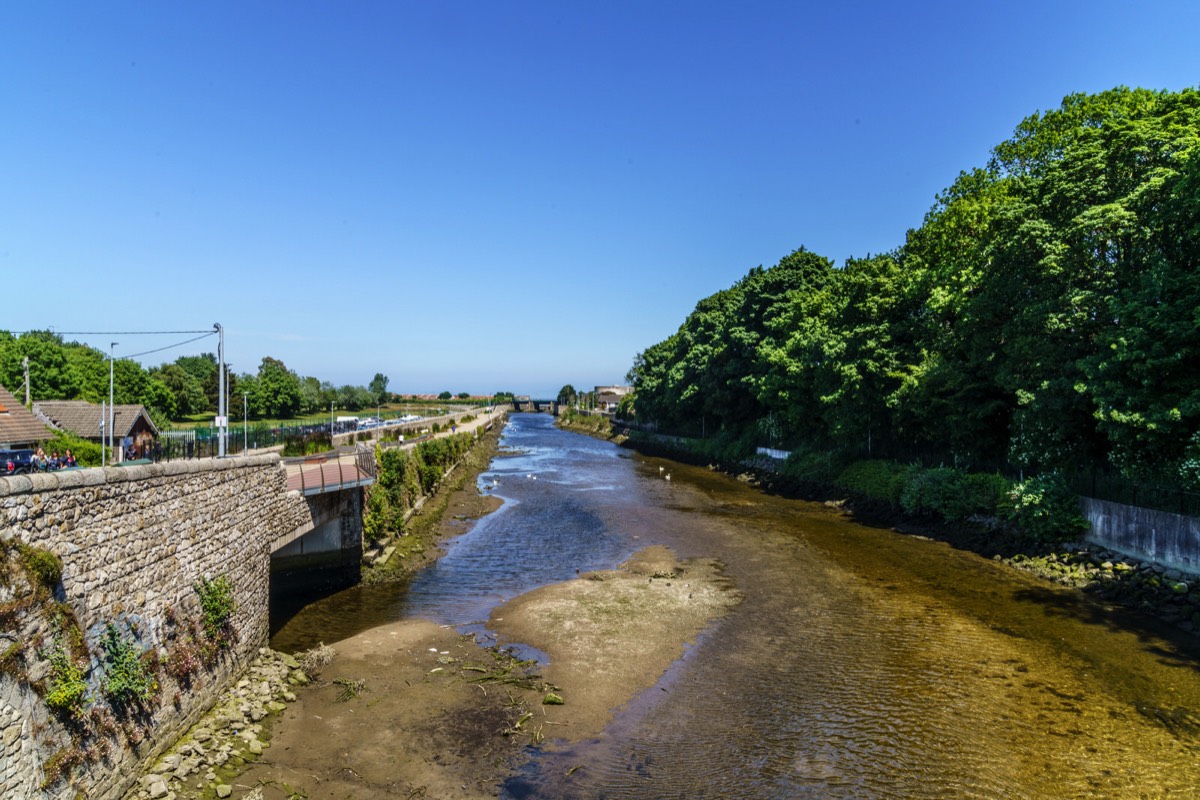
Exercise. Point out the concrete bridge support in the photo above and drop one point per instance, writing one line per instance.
(324, 554)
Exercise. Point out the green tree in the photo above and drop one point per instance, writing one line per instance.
(50, 377)
(203, 368)
(185, 389)
(278, 390)
(378, 387)
(566, 395)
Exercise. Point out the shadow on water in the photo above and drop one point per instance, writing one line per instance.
(1172, 646)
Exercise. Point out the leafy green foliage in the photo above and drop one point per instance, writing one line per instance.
(42, 565)
(217, 605)
(1042, 317)
(879, 480)
(1045, 508)
(128, 680)
(404, 476)
(67, 694)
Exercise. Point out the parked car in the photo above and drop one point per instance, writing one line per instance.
(15, 462)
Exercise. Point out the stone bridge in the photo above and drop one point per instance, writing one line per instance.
(134, 541)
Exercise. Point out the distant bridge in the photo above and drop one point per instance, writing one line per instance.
(526, 403)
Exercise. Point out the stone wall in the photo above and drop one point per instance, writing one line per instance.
(1144, 533)
(134, 541)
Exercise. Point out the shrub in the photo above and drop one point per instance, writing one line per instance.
(985, 492)
(68, 691)
(879, 480)
(819, 466)
(128, 676)
(1045, 508)
(217, 606)
(933, 491)
(42, 565)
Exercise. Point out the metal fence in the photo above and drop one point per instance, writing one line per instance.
(205, 442)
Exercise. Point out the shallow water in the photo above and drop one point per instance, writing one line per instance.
(861, 663)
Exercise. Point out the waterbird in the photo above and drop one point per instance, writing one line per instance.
(668, 476)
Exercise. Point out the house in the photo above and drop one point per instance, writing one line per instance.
(18, 427)
(609, 397)
(132, 426)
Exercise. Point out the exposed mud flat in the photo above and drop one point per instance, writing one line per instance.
(612, 634)
(414, 709)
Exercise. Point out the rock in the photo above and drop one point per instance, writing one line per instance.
(223, 790)
(289, 661)
(156, 787)
(552, 699)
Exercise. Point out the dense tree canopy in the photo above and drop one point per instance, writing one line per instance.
(1043, 316)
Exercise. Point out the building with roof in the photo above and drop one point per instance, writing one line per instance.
(18, 426)
(609, 397)
(132, 426)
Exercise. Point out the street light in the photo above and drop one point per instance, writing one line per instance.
(111, 415)
(222, 418)
(245, 422)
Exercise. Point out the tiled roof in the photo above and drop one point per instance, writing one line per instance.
(83, 418)
(17, 425)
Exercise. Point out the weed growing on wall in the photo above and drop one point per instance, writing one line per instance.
(67, 693)
(44, 568)
(130, 673)
(217, 606)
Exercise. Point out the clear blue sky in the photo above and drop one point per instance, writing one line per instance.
(484, 196)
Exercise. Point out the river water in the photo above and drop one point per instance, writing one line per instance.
(860, 664)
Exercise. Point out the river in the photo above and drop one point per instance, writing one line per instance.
(860, 664)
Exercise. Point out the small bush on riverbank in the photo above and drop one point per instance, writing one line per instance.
(876, 479)
(952, 494)
(1045, 507)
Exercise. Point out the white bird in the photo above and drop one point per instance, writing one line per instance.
(660, 470)
(668, 476)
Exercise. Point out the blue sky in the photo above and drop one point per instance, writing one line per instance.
(483, 196)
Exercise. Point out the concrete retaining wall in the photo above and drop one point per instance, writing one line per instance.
(1160, 536)
(134, 541)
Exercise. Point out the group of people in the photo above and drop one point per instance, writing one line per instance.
(46, 463)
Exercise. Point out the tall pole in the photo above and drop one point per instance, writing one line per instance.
(111, 415)
(221, 421)
(103, 449)
(245, 422)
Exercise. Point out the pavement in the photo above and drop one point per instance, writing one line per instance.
(341, 470)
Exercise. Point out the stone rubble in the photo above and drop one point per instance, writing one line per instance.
(228, 735)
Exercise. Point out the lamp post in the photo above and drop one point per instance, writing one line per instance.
(222, 420)
(331, 423)
(245, 422)
(111, 415)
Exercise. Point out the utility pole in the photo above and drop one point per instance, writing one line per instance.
(26, 362)
(221, 420)
(111, 413)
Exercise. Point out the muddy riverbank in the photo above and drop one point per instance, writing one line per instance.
(415, 709)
